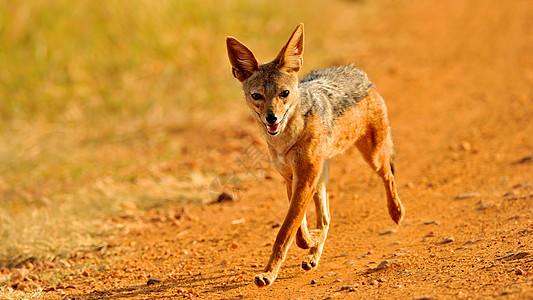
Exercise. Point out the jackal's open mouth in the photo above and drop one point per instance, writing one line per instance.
(273, 129)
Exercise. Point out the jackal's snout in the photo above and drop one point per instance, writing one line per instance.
(271, 118)
(273, 123)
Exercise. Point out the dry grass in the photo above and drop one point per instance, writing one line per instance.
(90, 92)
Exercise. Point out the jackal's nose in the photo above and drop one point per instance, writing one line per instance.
(271, 118)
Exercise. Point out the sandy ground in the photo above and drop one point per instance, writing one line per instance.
(458, 80)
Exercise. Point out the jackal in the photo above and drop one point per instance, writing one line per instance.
(305, 125)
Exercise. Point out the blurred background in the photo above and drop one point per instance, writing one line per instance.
(94, 97)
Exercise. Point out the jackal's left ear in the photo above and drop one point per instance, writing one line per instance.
(290, 58)
(241, 58)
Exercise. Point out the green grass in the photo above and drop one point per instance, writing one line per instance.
(89, 93)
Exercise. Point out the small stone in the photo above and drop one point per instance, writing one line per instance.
(64, 264)
(223, 263)
(429, 234)
(483, 206)
(373, 282)
(388, 232)
(431, 222)
(337, 280)
(465, 146)
(397, 254)
(313, 281)
(85, 273)
(512, 256)
(30, 266)
(519, 271)
(154, 280)
(425, 297)
(350, 262)
(524, 160)
(334, 296)
(509, 194)
(225, 197)
(381, 279)
(465, 195)
(21, 286)
(405, 273)
(103, 268)
(341, 255)
(234, 245)
(518, 255)
(238, 221)
(382, 265)
(20, 274)
(524, 231)
(387, 263)
(445, 241)
(254, 265)
(328, 274)
(350, 287)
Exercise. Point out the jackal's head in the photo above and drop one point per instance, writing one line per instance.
(270, 89)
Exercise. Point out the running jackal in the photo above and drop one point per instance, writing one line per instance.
(305, 125)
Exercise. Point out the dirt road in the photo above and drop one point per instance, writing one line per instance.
(458, 80)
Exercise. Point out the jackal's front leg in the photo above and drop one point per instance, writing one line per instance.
(303, 189)
(322, 222)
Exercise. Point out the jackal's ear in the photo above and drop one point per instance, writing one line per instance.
(291, 56)
(241, 58)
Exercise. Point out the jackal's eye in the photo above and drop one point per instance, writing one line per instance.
(257, 96)
(284, 94)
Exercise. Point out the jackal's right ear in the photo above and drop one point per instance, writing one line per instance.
(290, 58)
(241, 58)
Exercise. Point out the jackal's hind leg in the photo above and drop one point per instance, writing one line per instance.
(379, 153)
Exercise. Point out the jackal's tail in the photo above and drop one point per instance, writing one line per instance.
(390, 144)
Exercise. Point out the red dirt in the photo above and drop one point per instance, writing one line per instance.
(458, 80)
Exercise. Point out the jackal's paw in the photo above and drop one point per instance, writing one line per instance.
(264, 279)
(396, 211)
(310, 262)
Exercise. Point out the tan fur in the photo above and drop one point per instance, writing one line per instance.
(302, 149)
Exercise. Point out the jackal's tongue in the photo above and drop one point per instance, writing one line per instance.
(273, 128)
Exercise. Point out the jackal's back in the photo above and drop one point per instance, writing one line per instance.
(330, 92)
